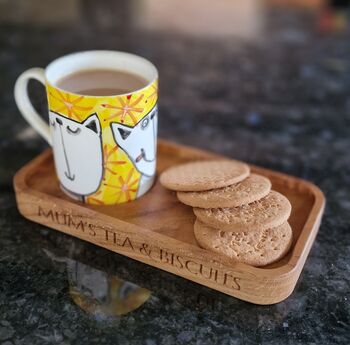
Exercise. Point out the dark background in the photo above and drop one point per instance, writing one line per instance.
(266, 82)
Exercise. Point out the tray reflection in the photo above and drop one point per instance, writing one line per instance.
(107, 285)
(99, 293)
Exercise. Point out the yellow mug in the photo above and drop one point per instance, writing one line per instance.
(104, 147)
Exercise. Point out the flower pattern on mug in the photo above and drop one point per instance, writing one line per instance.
(154, 92)
(71, 105)
(94, 199)
(121, 179)
(126, 106)
(126, 187)
(108, 161)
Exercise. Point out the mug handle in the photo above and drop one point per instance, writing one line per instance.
(24, 104)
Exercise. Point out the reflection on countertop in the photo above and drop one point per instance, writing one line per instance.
(98, 293)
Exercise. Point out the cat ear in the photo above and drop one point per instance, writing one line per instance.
(120, 132)
(93, 123)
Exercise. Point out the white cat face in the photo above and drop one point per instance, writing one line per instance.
(139, 142)
(77, 149)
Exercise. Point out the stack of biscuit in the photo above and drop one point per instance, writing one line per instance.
(238, 214)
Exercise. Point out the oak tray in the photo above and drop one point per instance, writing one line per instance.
(158, 230)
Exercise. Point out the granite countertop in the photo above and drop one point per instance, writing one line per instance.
(280, 100)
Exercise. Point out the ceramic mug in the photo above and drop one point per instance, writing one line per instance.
(104, 147)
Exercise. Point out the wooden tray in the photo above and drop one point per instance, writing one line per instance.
(158, 230)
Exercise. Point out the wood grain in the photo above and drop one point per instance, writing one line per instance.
(158, 230)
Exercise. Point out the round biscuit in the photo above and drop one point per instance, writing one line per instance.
(253, 188)
(268, 212)
(204, 175)
(256, 248)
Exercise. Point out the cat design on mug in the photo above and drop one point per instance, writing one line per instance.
(78, 154)
(140, 144)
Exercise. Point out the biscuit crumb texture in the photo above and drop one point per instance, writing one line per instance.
(204, 175)
(256, 248)
(253, 188)
(268, 212)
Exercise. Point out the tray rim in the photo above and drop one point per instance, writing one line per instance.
(289, 268)
(301, 247)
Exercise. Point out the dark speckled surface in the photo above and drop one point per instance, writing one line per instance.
(280, 100)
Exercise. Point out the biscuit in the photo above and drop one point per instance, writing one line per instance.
(256, 248)
(268, 212)
(251, 189)
(204, 175)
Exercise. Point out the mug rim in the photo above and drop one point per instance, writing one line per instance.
(100, 54)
